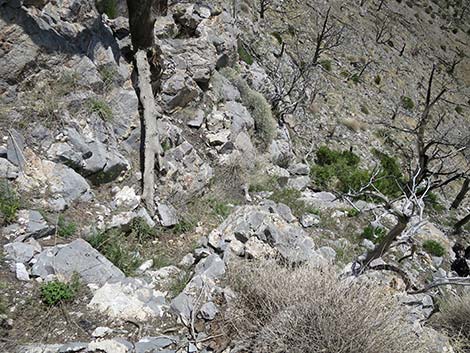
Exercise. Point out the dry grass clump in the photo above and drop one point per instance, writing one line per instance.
(353, 124)
(308, 310)
(454, 319)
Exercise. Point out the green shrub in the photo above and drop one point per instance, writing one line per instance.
(459, 109)
(265, 124)
(326, 64)
(101, 108)
(434, 248)
(353, 212)
(55, 292)
(65, 229)
(115, 247)
(109, 7)
(108, 75)
(377, 80)
(374, 234)
(244, 55)
(9, 202)
(355, 78)
(218, 207)
(365, 110)
(432, 200)
(407, 103)
(390, 179)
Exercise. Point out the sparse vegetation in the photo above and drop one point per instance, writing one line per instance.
(260, 109)
(65, 229)
(326, 64)
(459, 109)
(56, 292)
(364, 109)
(434, 248)
(100, 107)
(374, 234)
(291, 198)
(9, 203)
(452, 318)
(109, 7)
(322, 314)
(377, 80)
(407, 103)
(244, 55)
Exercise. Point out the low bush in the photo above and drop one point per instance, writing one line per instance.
(56, 292)
(9, 203)
(453, 319)
(407, 103)
(244, 55)
(109, 7)
(101, 108)
(265, 124)
(374, 234)
(65, 229)
(434, 248)
(326, 64)
(304, 309)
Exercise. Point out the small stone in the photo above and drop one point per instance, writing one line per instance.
(209, 311)
(299, 169)
(197, 120)
(187, 260)
(21, 272)
(126, 197)
(368, 244)
(308, 220)
(219, 138)
(168, 215)
(145, 266)
(101, 331)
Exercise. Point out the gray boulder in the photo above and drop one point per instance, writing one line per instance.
(155, 344)
(8, 170)
(77, 257)
(15, 147)
(19, 252)
(168, 215)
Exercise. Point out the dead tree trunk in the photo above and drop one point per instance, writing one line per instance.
(462, 193)
(384, 245)
(141, 22)
(459, 225)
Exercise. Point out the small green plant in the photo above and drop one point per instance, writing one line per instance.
(9, 202)
(353, 213)
(108, 75)
(377, 80)
(185, 225)
(244, 55)
(56, 292)
(459, 109)
(219, 208)
(355, 78)
(101, 108)
(374, 234)
(109, 7)
(434, 248)
(365, 110)
(263, 183)
(407, 103)
(265, 124)
(326, 64)
(178, 285)
(65, 229)
(140, 230)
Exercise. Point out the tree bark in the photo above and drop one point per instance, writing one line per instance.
(141, 23)
(152, 145)
(461, 195)
(458, 226)
(384, 245)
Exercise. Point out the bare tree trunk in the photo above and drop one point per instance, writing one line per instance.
(461, 195)
(384, 245)
(152, 145)
(458, 226)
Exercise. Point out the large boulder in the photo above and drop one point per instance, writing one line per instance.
(260, 229)
(77, 257)
(129, 299)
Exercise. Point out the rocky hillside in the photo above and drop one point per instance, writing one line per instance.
(314, 166)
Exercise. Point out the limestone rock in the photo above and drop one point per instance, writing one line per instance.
(76, 257)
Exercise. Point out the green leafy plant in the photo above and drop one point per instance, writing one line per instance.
(100, 107)
(326, 64)
(65, 229)
(244, 55)
(434, 248)
(459, 109)
(407, 103)
(377, 80)
(56, 292)
(109, 7)
(374, 234)
(9, 202)
(365, 110)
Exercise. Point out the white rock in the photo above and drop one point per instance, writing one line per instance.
(101, 331)
(21, 272)
(126, 197)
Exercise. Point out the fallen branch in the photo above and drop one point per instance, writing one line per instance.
(454, 281)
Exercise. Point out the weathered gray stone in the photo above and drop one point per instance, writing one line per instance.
(155, 344)
(212, 267)
(165, 27)
(126, 197)
(298, 183)
(116, 345)
(79, 257)
(19, 252)
(168, 215)
(15, 148)
(179, 90)
(73, 347)
(299, 169)
(8, 170)
(197, 120)
(183, 306)
(218, 138)
(21, 272)
(208, 311)
(128, 299)
(308, 220)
